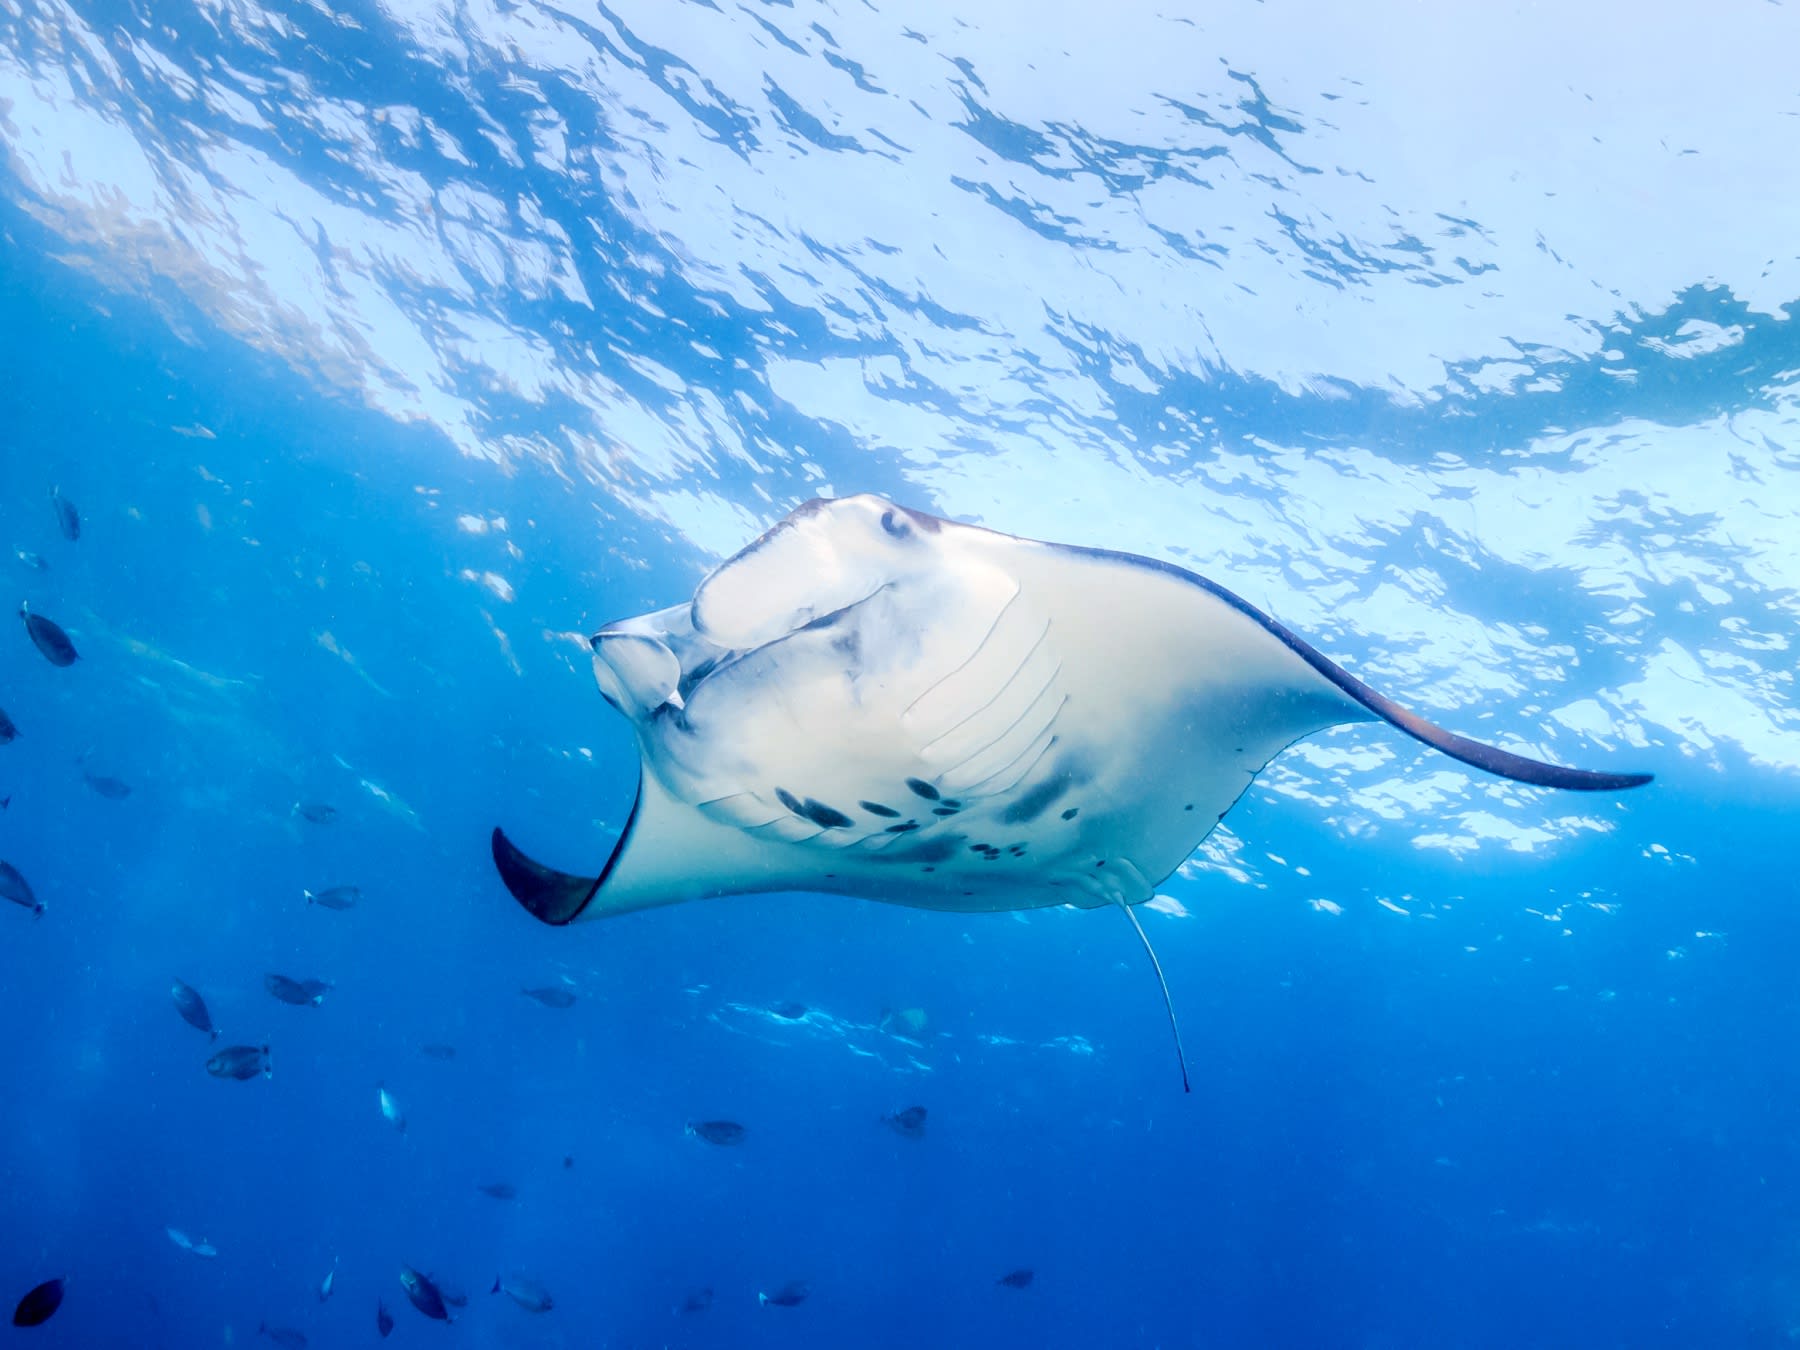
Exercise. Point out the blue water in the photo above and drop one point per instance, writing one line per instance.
(384, 353)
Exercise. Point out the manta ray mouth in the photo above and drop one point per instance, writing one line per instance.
(546, 894)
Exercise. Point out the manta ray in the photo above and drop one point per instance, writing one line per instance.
(872, 701)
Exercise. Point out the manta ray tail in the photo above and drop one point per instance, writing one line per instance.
(1174, 1027)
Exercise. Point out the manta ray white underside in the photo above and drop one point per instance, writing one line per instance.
(875, 702)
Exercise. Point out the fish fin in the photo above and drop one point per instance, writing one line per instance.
(496, 1288)
(547, 894)
(1163, 984)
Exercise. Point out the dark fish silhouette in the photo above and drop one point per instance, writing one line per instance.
(551, 996)
(789, 1012)
(8, 731)
(15, 888)
(527, 1293)
(113, 789)
(241, 1062)
(1017, 1279)
(384, 1320)
(37, 1307)
(193, 1008)
(698, 1301)
(334, 897)
(724, 1133)
(48, 637)
(500, 1190)
(910, 1122)
(424, 1294)
(68, 519)
(317, 812)
(286, 1337)
(790, 1295)
(568, 1161)
(300, 993)
(438, 1050)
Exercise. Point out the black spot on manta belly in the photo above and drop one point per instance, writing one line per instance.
(1035, 802)
(924, 789)
(1071, 813)
(826, 817)
(931, 850)
(943, 810)
(904, 827)
(877, 809)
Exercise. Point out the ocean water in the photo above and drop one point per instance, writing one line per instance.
(387, 350)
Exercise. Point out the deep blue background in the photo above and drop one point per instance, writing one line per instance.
(1475, 1126)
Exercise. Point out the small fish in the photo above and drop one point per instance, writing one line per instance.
(329, 1282)
(241, 1062)
(32, 560)
(193, 1008)
(286, 1337)
(1017, 1279)
(9, 731)
(390, 1109)
(789, 1012)
(551, 996)
(499, 1190)
(568, 1161)
(319, 813)
(909, 1123)
(15, 888)
(724, 1133)
(200, 1247)
(37, 1307)
(438, 1050)
(790, 1295)
(384, 1320)
(49, 638)
(113, 789)
(68, 519)
(698, 1301)
(423, 1294)
(528, 1294)
(300, 993)
(334, 897)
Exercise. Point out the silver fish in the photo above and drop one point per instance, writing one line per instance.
(390, 1108)
(527, 1293)
(330, 1280)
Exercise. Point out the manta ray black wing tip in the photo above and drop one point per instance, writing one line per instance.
(547, 894)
